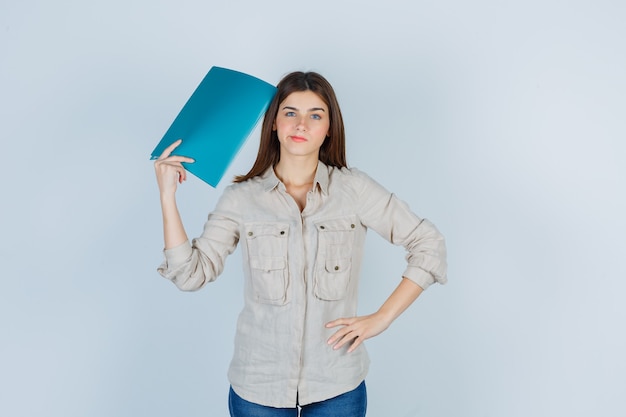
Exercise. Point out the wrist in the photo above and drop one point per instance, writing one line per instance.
(167, 195)
(385, 316)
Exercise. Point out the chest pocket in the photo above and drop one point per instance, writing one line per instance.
(334, 257)
(267, 251)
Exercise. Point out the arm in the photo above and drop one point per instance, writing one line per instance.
(169, 172)
(358, 329)
(190, 265)
(426, 260)
(173, 231)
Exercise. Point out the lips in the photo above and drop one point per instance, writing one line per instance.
(298, 139)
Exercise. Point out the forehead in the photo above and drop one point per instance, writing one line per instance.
(304, 100)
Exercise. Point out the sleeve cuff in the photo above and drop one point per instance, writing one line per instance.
(178, 254)
(420, 277)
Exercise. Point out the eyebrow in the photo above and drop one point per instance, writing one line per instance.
(311, 109)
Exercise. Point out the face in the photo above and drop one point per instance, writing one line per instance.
(302, 124)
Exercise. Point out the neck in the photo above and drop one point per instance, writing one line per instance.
(296, 171)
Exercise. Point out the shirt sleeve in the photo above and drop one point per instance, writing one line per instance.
(193, 264)
(391, 218)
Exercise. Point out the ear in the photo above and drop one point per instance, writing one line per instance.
(274, 126)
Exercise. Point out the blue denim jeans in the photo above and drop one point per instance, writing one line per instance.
(349, 404)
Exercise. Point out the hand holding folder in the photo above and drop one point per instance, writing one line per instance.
(216, 121)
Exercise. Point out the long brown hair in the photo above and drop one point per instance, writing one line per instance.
(332, 151)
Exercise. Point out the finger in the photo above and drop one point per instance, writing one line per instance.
(343, 336)
(169, 149)
(355, 344)
(164, 168)
(173, 162)
(348, 338)
(178, 158)
(339, 334)
(165, 165)
(182, 174)
(338, 322)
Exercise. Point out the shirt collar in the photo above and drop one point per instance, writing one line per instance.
(322, 177)
(271, 181)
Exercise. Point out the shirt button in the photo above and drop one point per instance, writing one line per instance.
(282, 232)
(249, 233)
(352, 226)
(322, 227)
(336, 267)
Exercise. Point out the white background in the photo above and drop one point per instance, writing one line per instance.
(502, 122)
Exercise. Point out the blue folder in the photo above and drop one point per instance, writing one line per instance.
(216, 121)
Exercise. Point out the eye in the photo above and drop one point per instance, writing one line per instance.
(290, 114)
(316, 117)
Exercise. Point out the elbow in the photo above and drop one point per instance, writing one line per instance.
(189, 286)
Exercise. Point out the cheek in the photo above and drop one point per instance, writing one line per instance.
(326, 130)
(279, 128)
(281, 123)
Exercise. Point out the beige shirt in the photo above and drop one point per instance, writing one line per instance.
(301, 270)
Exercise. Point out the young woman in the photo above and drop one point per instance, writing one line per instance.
(300, 216)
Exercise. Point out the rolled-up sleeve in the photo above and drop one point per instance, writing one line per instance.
(192, 265)
(391, 218)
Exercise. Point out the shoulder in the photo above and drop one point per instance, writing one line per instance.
(352, 178)
(255, 184)
(237, 194)
(346, 174)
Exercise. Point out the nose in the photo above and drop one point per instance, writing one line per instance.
(301, 124)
